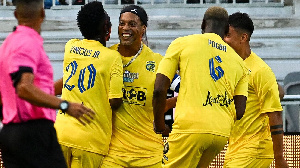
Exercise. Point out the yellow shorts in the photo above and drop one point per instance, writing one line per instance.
(77, 158)
(247, 162)
(192, 150)
(114, 161)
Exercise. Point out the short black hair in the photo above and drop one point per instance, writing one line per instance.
(241, 21)
(91, 19)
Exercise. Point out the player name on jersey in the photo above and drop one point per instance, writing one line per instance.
(84, 52)
(217, 45)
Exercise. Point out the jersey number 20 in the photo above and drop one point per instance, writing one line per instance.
(92, 74)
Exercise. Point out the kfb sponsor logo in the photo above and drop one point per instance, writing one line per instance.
(129, 77)
(150, 66)
(134, 95)
(222, 100)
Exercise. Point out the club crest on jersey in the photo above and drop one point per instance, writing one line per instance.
(129, 77)
(150, 66)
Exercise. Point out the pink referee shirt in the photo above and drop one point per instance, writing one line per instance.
(24, 47)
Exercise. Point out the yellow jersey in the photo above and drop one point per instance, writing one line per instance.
(211, 74)
(92, 76)
(133, 134)
(250, 136)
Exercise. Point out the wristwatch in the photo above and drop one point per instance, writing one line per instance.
(64, 105)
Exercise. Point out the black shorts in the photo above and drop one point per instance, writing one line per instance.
(32, 144)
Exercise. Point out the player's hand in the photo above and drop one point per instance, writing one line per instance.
(281, 163)
(167, 131)
(80, 112)
(159, 131)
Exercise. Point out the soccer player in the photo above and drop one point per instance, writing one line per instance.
(93, 77)
(28, 137)
(133, 143)
(257, 138)
(213, 90)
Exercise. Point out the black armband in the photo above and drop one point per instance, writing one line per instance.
(16, 76)
(277, 132)
(276, 126)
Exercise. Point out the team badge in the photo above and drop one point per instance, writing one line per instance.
(150, 66)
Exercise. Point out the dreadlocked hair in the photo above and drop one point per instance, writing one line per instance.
(241, 21)
(91, 19)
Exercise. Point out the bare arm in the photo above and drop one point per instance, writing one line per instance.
(58, 85)
(281, 91)
(115, 103)
(276, 128)
(29, 92)
(162, 83)
(170, 103)
(240, 105)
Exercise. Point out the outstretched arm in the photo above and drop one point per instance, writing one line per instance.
(58, 85)
(276, 128)
(162, 83)
(281, 91)
(170, 103)
(29, 92)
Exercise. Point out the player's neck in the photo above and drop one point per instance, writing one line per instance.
(129, 50)
(245, 52)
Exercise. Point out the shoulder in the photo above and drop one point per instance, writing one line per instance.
(72, 41)
(151, 54)
(257, 64)
(114, 47)
(111, 52)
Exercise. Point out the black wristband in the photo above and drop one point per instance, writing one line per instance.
(276, 126)
(277, 132)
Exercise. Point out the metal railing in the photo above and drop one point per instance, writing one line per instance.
(152, 2)
(289, 100)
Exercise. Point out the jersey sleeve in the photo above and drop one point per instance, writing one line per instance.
(116, 78)
(169, 64)
(267, 90)
(242, 85)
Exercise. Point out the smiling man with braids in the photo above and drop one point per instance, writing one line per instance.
(134, 144)
(93, 77)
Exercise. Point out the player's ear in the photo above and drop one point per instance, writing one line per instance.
(144, 29)
(203, 26)
(244, 37)
(16, 14)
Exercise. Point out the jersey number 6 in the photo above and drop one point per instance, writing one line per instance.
(215, 72)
